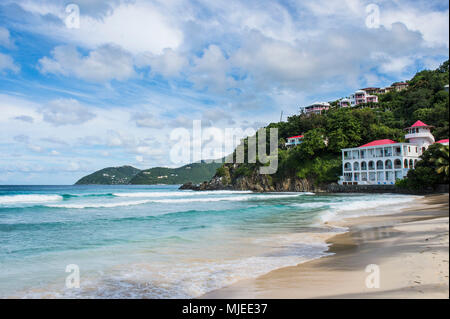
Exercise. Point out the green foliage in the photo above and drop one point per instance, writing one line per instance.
(244, 170)
(110, 176)
(430, 171)
(319, 156)
(195, 173)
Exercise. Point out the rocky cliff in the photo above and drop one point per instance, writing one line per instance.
(230, 177)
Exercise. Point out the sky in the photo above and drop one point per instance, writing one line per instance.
(114, 84)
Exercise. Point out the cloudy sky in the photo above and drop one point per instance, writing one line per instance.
(109, 93)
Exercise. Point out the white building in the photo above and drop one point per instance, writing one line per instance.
(385, 161)
(359, 97)
(294, 140)
(316, 108)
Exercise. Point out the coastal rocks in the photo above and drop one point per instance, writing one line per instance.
(253, 181)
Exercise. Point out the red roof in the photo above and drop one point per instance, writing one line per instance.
(297, 136)
(379, 142)
(419, 124)
(442, 141)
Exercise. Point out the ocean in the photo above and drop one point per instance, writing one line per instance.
(159, 242)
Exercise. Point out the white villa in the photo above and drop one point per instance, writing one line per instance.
(315, 108)
(294, 140)
(385, 161)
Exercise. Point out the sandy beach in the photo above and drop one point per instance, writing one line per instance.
(410, 251)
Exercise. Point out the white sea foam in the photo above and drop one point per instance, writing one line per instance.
(99, 205)
(178, 194)
(180, 279)
(367, 207)
(31, 198)
(169, 200)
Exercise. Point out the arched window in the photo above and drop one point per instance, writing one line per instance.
(415, 163)
(405, 163)
(356, 166)
(388, 164)
(347, 167)
(363, 166)
(379, 164)
(397, 164)
(411, 163)
(371, 165)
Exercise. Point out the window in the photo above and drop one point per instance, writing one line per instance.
(388, 164)
(363, 166)
(389, 176)
(364, 177)
(387, 151)
(398, 175)
(347, 167)
(372, 177)
(380, 176)
(405, 163)
(356, 166)
(379, 152)
(371, 165)
(411, 163)
(380, 165)
(397, 164)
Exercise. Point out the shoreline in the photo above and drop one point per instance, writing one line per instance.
(409, 247)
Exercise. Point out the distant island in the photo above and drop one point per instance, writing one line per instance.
(128, 175)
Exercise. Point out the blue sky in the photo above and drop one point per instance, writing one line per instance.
(109, 93)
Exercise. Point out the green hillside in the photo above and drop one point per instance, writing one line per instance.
(318, 158)
(195, 173)
(110, 176)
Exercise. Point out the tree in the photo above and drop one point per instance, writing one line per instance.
(440, 160)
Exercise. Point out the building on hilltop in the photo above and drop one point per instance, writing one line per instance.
(385, 161)
(316, 108)
(294, 140)
(399, 86)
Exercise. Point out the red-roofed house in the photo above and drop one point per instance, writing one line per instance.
(420, 134)
(294, 140)
(444, 142)
(385, 161)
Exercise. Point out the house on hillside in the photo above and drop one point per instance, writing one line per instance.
(385, 161)
(316, 108)
(294, 140)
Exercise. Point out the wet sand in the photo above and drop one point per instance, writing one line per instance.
(410, 249)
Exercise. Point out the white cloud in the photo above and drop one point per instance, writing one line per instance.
(144, 119)
(140, 158)
(169, 63)
(106, 63)
(24, 118)
(7, 63)
(65, 112)
(5, 38)
(138, 26)
(210, 70)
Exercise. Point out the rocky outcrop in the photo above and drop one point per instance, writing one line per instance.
(228, 179)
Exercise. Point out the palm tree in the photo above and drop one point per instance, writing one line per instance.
(440, 160)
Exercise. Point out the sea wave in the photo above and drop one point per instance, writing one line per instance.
(30, 198)
(170, 200)
(178, 194)
(366, 207)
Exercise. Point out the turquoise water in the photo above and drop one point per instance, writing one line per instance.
(158, 241)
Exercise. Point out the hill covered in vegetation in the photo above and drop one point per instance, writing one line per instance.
(110, 176)
(317, 161)
(124, 175)
(195, 173)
